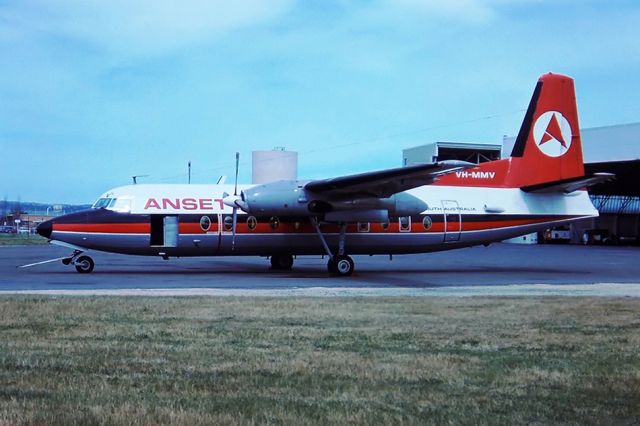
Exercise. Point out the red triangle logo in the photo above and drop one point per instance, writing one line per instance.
(553, 132)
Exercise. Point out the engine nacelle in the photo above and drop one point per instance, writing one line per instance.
(406, 204)
(280, 198)
(400, 204)
(357, 216)
(290, 198)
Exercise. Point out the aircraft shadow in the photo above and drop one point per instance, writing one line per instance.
(260, 277)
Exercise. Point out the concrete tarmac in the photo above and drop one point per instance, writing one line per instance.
(499, 269)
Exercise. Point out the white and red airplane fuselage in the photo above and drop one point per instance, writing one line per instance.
(201, 225)
(414, 209)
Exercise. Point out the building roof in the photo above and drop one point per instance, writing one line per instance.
(611, 143)
(607, 143)
(458, 144)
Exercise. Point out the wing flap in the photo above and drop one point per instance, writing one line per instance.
(384, 183)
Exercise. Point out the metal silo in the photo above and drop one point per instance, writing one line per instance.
(274, 165)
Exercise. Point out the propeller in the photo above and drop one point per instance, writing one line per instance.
(236, 202)
(235, 206)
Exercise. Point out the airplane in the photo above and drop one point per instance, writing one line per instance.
(421, 208)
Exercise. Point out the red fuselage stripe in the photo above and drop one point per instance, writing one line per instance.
(303, 228)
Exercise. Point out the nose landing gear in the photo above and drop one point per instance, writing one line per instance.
(83, 264)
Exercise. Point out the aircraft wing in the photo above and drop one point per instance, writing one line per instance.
(384, 183)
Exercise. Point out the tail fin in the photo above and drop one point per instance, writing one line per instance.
(548, 147)
(547, 150)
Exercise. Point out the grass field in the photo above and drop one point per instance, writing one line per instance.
(134, 360)
(21, 239)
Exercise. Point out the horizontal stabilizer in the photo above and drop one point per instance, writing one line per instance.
(569, 185)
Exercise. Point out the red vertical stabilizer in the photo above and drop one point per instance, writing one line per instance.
(548, 147)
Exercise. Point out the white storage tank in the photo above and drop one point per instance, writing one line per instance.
(274, 165)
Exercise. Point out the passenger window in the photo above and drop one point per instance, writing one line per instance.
(385, 226)
(252, 222)
(228, 223)
(405, 223)
(427, 223)
(363, 226)
(274, 222)
(205, 223)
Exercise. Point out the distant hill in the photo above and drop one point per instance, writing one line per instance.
(6, 207)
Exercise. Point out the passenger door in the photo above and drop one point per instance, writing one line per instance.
(452, 221)
(164, 230)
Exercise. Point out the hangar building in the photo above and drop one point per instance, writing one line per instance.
(473, 152)
(613, 149)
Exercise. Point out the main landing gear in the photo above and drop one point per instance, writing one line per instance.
(282, 262)
(340, 264)
(83, 263)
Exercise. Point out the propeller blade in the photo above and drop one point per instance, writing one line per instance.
(235, 205)
(233, 229)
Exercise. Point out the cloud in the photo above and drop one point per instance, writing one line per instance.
(143, 27)
(466, 11)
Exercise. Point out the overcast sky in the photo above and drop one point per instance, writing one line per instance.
(94, 92)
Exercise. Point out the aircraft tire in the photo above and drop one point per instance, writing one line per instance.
(331, 266)
(282, 262)
(84, 264)
(343, 266)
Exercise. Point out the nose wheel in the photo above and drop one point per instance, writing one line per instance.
(83, 263)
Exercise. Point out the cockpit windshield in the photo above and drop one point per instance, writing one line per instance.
(102, 203)
(116, 204)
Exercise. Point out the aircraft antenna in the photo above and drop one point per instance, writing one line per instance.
(235, 190)
(135, 178)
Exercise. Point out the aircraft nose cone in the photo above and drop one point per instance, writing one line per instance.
(45, 228)
(234, 201)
